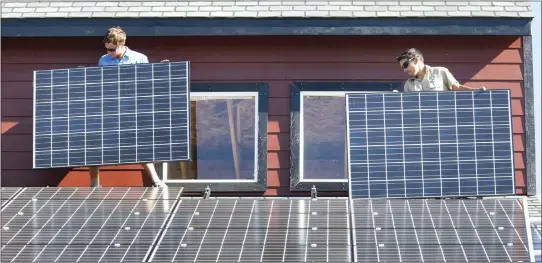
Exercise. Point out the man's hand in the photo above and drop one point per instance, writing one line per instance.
(165, 60)
(458, 86)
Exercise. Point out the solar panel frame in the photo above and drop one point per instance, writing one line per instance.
(179, 146)
(537, 244)
(352, 96)
(529, 230)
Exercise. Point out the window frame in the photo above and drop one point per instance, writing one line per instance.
(259, 184)
(300, 89)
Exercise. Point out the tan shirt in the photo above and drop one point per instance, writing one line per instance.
(435, 79)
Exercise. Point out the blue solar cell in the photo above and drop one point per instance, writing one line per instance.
(430, 144)
(111, 115)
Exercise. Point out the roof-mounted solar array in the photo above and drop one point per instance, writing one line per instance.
(153, 224)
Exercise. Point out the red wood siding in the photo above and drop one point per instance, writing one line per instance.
(495, 62)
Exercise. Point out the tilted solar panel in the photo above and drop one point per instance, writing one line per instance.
(233, 230)
(430, 144)
(446, 230)
(65, 224)
(111, 115)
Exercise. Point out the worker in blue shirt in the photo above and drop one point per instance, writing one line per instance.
(119, 53)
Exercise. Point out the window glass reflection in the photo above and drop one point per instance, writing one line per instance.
(222, 140)
(324, 137)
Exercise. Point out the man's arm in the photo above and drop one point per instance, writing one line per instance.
(453, 84)
(458, 86)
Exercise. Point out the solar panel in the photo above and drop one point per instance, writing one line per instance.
(418, 230)
(257, 231)
(430, 144)
(85, 224)
(111, 115)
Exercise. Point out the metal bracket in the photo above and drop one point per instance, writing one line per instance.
(313, 192)
(207, 193)
(154, 175)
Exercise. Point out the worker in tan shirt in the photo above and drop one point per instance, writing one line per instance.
(426, 78)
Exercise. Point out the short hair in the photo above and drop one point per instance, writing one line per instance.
(410, 54)
(115, 36)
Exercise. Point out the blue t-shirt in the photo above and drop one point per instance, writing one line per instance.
(130, 57)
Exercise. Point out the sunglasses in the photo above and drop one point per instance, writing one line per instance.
(406, 63)
(111, 49)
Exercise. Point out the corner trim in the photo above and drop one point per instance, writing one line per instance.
(530, 132)
(168, 26)
(261, 184)
(295, 126)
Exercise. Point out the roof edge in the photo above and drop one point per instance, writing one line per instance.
(165, 26)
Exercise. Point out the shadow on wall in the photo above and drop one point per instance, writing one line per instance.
(491, 61)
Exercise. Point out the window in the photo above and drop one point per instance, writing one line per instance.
(228, 139)
(318, 132)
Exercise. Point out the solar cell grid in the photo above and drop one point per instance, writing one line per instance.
(111, 115)
(98, 227)
(430, 144)
(256, 230)
(440, 230)
(7, 193)
(156, 224)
